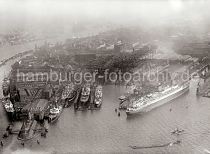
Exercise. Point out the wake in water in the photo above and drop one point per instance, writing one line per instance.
(157, 146)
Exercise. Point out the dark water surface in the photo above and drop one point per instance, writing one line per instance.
(103, 131)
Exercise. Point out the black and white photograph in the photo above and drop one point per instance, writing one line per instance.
(104, 77)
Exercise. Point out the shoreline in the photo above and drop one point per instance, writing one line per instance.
(7, 66)
(10, 51)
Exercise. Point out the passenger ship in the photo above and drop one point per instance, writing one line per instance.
(151, 101)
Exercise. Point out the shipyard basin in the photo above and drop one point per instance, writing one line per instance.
(103, 131)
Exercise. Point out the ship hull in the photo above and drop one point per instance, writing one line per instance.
(69, 100)
(84, 99)
(159, 103)
(10, 115)
(98, 104)
(54, 118)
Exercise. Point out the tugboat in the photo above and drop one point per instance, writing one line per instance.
(132, 92)
(85, 94)
(122, 99)
(98, 96)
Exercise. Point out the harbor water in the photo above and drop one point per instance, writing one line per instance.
(102, 131)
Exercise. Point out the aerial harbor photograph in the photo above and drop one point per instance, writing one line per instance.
(104, 77)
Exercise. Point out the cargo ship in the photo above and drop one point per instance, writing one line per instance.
(85, 94)
(69, 94)
(146, 103)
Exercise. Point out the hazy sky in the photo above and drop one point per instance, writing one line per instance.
(45, 12)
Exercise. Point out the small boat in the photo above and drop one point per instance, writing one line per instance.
(98, 96)
(55, 113)
(122, 99)
(85, 94)
(177, 132)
